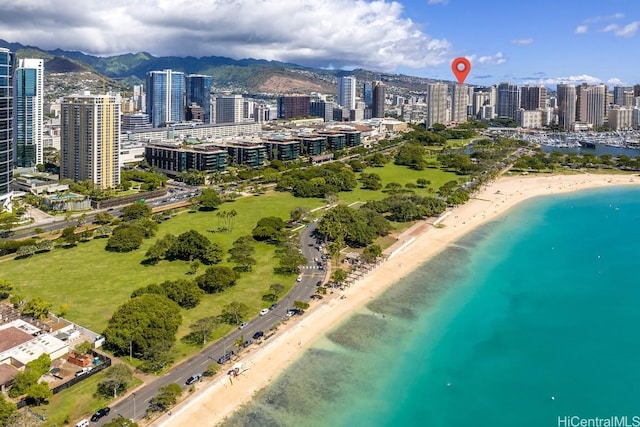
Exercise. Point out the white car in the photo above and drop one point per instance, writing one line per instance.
(264, 311)
(299, 279)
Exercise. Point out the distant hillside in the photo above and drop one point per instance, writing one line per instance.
(245, 75)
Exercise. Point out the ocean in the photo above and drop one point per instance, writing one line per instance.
(530, 320)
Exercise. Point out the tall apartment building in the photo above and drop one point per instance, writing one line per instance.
(229, 109)
(198, 91)
(90, 139)
(437, 107)
(347, 92)
(367, 93)
(533, 97)
(165, 92)
(28, 113)
(620, 118)
(378, 99)
(508, 101)
(581, 102)
(596, 99)
(294, 106)
(566, 96)
(480, 99)
(6, 128)
(459, 102)
(618, 94)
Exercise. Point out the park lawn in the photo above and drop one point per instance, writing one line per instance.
(402, 175)
(95, 282)
(459, 143)
(79, 401)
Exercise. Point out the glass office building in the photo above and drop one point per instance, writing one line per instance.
(165, 91)
(199, 92)
(6, 128)
(28, 99)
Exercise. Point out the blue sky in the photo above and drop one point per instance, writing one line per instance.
(540, 41)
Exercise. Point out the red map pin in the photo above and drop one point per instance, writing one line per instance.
(461, 67)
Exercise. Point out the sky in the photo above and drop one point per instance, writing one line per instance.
(523, 42)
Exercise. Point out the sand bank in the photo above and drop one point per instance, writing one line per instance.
(216, 400)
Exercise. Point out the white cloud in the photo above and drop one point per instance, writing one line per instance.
(581, 29)
(628, 30)
(496, 59)
(522, 42)
(601, 18)
(371, 34)
(582, 78)
(615, 82)
(438, 1)
(610, 27)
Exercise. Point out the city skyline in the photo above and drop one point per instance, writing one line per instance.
(521, 43)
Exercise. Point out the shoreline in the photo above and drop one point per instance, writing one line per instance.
(216, 400)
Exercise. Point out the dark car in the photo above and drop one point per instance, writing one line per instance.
(193, 378)
(258, 334)
(100, 413)
(226, 357)
(273, 306)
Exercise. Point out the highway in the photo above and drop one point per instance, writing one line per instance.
(135, 405)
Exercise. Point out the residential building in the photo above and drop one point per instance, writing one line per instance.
(480, 99)
(198, 91)
(294, 106)
(189, 130)
(6, 128)
(165, 93)
(566, 96)
(90, 139)
(533, 97)
(195, 113)
(28, 112)
(620, 118)
(436, 104)
(530, 119)
(618, 95)
(459, 102)
(229, 109)
(347, 92)
(581, 102)
(281, 148)
(378, 99)
(508, 101)
(596, 98)
(367, 93)
(244, 153)
(172, 157)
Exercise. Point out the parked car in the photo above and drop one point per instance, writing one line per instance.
(258, 335)
(264, 311)
(273, 306)
(242, 325)
(193, 378)
(247, 342)
(299, 279)
(100, 413)
(225, 358)
(293, 311)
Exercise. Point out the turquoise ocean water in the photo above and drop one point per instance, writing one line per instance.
(532, 317)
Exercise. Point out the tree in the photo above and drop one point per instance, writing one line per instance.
(22, 419)
(144, 324)
(203, 328)
(158, 250)
(83, 348)
(276, 289)
(26, 251)
(103, 218)
(121, 422)
(44, 246)
(7, 409)
(371, 253)
(41, 365)
(69, 236)
(166, 397)
(242, 253)
(103, 231)
(216, 279)
(298, 214)
(125, 238)
(136, 211)
(371, 181)
(209, 199)
(37, 308)
(269, 229)
(300, 305)
(6, 287)
(339, 276)
(116, 380)
(211, 370)
(22, 381)
(39, 393)
(192, 245)
(422, 183)
(290, 258)
(234, 312)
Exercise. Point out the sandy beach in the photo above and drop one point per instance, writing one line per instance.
(215, 400)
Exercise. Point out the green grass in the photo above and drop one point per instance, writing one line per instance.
(95, 282)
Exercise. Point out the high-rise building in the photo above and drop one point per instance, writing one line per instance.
(6, 128)
(294, 106)
(165, 92)
(323, 109)
(229, 108)
(347, 92)
(139, 97)
(134, 121)
(533, 97)
(378, 98)
(618, 94)
(367, 93)
(459, 102)
(28, 113)
(596, 98)
(199, 92)
(581, 102)
(508, 101)
(436, 104)
(90, 139)
(566, 95)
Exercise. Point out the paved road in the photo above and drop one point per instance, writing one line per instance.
(135, 405)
